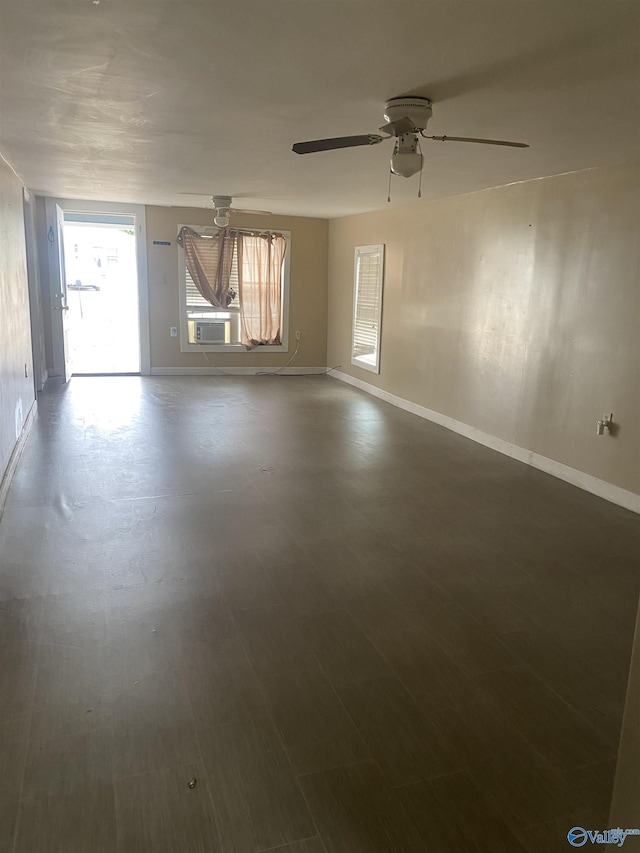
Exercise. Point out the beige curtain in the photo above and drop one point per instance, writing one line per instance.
(260, 259)
(209, 261)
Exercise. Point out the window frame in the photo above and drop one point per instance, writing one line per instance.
(360, 361)
(186, 346)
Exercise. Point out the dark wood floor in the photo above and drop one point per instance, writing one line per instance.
(357, 631)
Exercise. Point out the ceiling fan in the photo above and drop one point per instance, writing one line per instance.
(407, 120)
(222, 209)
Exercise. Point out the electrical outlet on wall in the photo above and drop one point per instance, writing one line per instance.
(173, 331)
(298, 334)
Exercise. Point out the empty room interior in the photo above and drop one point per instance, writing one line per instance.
(319, 426)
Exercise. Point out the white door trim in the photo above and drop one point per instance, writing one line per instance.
(57, 288)
(139, 211)
(33, 278)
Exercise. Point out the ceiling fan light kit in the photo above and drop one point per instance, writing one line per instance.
(406, 160)
(407, 119)
(221, 207)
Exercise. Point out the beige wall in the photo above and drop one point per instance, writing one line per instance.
(307, 299)
(16, 391)
(514, 310)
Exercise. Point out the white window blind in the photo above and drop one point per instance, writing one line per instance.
(196, 301)
(367, 307)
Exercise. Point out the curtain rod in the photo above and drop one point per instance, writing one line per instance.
(256, 232)
(252, 231)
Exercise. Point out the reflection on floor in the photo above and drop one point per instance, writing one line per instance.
(356, 631)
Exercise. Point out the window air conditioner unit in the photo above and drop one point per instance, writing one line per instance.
(213, 331)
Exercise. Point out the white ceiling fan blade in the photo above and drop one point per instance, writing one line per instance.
(252, 212)
(479, 141)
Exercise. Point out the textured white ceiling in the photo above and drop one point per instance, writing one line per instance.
(150, 100)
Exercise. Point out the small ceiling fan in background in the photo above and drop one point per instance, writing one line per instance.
(222, 209)
(407, 120)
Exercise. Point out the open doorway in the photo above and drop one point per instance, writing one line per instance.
(102, 293)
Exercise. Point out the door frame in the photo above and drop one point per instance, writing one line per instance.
(35, 301)
(57, 290)
(69, 205)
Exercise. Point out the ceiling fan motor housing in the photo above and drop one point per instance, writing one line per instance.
(221, 202)
(416, 109)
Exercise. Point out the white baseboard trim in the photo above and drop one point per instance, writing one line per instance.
(234, 371)
(614, 494)
(16, 453)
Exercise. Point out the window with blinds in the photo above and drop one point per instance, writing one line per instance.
(204, 327)
(197, 302)
(367, 307)
(207, 325)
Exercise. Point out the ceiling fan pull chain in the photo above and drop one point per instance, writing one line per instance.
(389, 192)
(421, 169)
